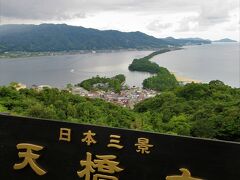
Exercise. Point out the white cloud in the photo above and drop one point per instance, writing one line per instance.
(156, 17)
(158, 25)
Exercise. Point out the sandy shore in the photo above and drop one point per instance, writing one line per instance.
(185, 79)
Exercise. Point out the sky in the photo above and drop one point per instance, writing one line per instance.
(209, 19)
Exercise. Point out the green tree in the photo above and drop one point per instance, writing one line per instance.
(180, 125)
(42, 112)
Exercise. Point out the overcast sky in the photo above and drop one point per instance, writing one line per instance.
(211, 19)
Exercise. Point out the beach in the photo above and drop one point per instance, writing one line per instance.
(184, 79)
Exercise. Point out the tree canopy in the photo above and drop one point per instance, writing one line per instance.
(103, 83)
(201, 110)
(162, 80)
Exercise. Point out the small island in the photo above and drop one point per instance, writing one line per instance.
(226, 40)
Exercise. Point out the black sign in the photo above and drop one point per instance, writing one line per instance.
(49, 150)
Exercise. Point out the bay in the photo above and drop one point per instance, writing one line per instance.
(217, 61)
(205, 63)
(57, 71)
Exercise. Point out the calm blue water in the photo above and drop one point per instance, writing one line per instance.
(205, 63)
(58, 71)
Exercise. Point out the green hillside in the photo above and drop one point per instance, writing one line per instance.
(62, 37)
(201, 110)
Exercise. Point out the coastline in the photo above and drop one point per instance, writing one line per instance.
(184, 79)
(21, 54)
(24, 54)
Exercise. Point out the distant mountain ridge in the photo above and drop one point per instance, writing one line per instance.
(62, 37)
(187, 41)
(225, 40)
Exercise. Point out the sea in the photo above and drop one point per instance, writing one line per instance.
(217, 61)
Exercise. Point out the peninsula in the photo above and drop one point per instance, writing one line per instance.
(162, 79)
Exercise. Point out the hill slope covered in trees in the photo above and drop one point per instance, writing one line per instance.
(61, 37)
(200, 110)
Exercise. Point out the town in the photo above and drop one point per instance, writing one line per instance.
(127, 97)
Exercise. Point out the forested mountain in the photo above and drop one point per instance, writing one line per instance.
(62, 37)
